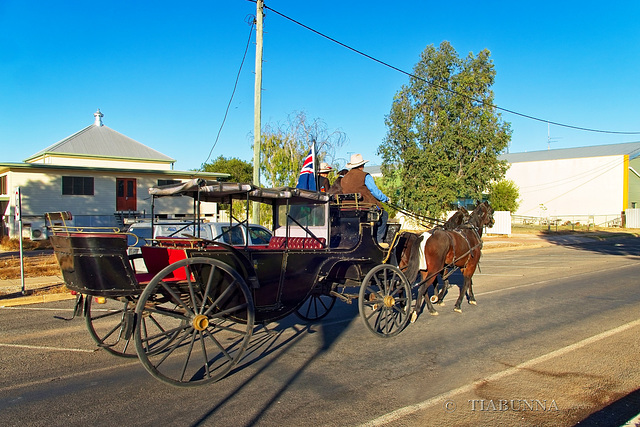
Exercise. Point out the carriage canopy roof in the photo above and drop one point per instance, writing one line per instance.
(214, 191)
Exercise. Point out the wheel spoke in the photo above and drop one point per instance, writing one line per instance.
(171, 349)
(207, 290)
(217, 343)
(186, 359)
(231, 310)
(192, 295)
(204, 353)
(229, 329)
(176, 297)
(221, 298)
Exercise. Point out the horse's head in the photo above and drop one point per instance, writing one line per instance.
(482, 215)
(490, 221)
(457, 219)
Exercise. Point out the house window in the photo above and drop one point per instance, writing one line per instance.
(3, 184)
(77, 185)
(168, 181)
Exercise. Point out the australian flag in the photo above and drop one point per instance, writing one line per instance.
(307, 177)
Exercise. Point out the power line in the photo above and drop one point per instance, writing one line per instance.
(527, 116)
(232, 94)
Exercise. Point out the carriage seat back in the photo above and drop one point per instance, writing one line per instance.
(158, 257)
(279, 242)
(95, 263)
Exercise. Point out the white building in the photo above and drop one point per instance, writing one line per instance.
(97, 174)
(600, 181)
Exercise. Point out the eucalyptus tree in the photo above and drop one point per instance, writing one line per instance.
(444, 134)
(284, 147)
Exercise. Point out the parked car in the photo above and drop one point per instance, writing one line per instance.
(140, 234)
(218, 231)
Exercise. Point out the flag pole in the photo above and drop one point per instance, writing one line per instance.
(313, 153)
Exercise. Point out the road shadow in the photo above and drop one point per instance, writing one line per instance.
(270, 344)
(602, 242)
(616, 413)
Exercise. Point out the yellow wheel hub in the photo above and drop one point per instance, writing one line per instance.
(200, 322)
(389, 301)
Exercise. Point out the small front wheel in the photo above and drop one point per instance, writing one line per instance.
(385, 300)
(111, 324)
(315, 307)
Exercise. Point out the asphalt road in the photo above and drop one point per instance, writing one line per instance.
(553, 341)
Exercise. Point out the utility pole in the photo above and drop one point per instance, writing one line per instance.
(257, 106)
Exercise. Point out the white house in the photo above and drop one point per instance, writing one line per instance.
(97, 174)
(599, 181)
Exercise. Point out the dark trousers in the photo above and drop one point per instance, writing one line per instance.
(382, 226)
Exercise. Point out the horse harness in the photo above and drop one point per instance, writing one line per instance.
(466, 239)
(452, 265)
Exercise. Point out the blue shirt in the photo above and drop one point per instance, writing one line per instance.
(375, 191)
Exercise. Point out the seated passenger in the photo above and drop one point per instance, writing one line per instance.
(358, 181)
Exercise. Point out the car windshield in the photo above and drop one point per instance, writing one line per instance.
(232, 235)
(259, 236)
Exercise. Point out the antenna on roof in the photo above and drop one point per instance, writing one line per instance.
(549, 140)
(98, 115)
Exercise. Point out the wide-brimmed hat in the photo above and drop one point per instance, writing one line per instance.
(324, 167)
(356, 160)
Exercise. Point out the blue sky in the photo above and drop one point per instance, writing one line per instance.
(162, 72)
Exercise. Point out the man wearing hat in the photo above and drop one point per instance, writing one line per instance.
(358, 181)
(323, 181)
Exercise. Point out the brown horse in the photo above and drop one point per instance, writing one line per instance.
(459, 248)
(408, 249)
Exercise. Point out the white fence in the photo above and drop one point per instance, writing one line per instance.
(633, 218)
(502, 225)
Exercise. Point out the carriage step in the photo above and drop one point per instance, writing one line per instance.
(348, 298)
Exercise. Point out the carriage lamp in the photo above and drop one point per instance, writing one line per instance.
(100, 300)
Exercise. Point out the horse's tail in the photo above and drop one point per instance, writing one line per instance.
(410, 242)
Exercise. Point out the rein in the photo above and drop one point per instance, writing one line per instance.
(424, 220)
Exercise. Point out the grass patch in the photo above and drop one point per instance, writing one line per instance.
(34, 266)
(7, 244)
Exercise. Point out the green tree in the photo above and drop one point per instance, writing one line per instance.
(239, 170)
(284, 146)
(443, 136)
(503, 195)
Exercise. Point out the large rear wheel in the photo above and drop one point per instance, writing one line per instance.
(196, 318)
(385, 300)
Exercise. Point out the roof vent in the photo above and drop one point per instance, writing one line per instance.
(98, 115)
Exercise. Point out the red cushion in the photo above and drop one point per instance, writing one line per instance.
(158, 257)
(279, 242)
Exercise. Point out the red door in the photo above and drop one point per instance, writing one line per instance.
(126, 194)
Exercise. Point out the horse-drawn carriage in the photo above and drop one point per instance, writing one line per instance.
(190, 316)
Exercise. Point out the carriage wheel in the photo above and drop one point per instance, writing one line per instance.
(385, 300)
(315, 307)
(196, 320)
(111, 325)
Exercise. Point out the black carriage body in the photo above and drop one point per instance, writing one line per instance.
(192, 314)
(282, 279)
(341, 236)
(95, 263)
